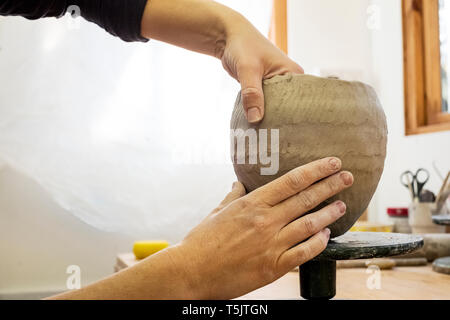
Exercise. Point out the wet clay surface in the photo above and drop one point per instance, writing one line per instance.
(317, 118)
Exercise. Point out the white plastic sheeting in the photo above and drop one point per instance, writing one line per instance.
(132, 138)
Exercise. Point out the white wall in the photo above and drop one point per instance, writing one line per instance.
(328, 34)
(404, 152)
(83, 113)
(39, 240)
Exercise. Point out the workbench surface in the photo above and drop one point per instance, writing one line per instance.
(403, 283)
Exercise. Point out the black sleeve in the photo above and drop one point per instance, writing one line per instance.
(121, 18)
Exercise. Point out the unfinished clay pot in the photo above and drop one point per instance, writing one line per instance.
(317, 118)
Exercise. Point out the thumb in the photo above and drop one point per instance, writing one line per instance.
(252, 95)
(237, 192)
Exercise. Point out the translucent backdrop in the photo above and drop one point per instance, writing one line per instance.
(132, 138)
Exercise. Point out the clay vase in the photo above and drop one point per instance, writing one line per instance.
(317, 118)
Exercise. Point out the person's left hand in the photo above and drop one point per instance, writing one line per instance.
(250, 58)
(252, 239)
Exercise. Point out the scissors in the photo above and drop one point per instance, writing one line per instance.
(415, 182)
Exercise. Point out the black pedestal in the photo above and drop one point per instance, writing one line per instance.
(318, 276)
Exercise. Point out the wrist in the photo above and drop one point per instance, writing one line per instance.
(232, 24)
(188, 273)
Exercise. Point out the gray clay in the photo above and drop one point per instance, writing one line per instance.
(317, 118)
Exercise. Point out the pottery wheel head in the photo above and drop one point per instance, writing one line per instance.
(308, 118)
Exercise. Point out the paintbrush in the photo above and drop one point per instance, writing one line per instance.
(443, 194)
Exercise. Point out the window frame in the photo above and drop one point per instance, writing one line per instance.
(422, 68)
(278, 25)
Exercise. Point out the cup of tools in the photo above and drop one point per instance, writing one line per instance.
(420, 218)
(424, 203)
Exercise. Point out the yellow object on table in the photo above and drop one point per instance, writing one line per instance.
(143, 249)
(364, 226)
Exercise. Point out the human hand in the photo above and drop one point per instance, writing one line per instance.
(250, 58)
(252, 240)
(211, 28)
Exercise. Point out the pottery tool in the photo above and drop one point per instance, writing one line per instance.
(436, 245)
(409, 186)
(444, 183)
(318, 276)
(415, 182)
(143, 249)
(443, 194)
(382, 263)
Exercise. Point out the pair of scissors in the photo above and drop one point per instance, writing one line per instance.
(415, 182)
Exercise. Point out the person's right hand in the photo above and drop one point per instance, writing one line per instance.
(252, 240)
(250, 58)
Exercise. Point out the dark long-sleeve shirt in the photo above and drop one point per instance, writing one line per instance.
(121, 18)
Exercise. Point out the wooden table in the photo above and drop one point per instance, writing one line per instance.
(403, 283)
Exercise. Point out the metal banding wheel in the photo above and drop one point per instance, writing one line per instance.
(318, 276)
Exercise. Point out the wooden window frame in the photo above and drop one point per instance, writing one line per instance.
(278, 25)
(422, 68)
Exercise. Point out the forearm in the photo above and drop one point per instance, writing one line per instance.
(156, 277)
(199, 25)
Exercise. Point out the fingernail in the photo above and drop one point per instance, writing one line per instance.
(253, 115)
(342, 207)
(327, 232)
(335, 163)
(347, 178)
